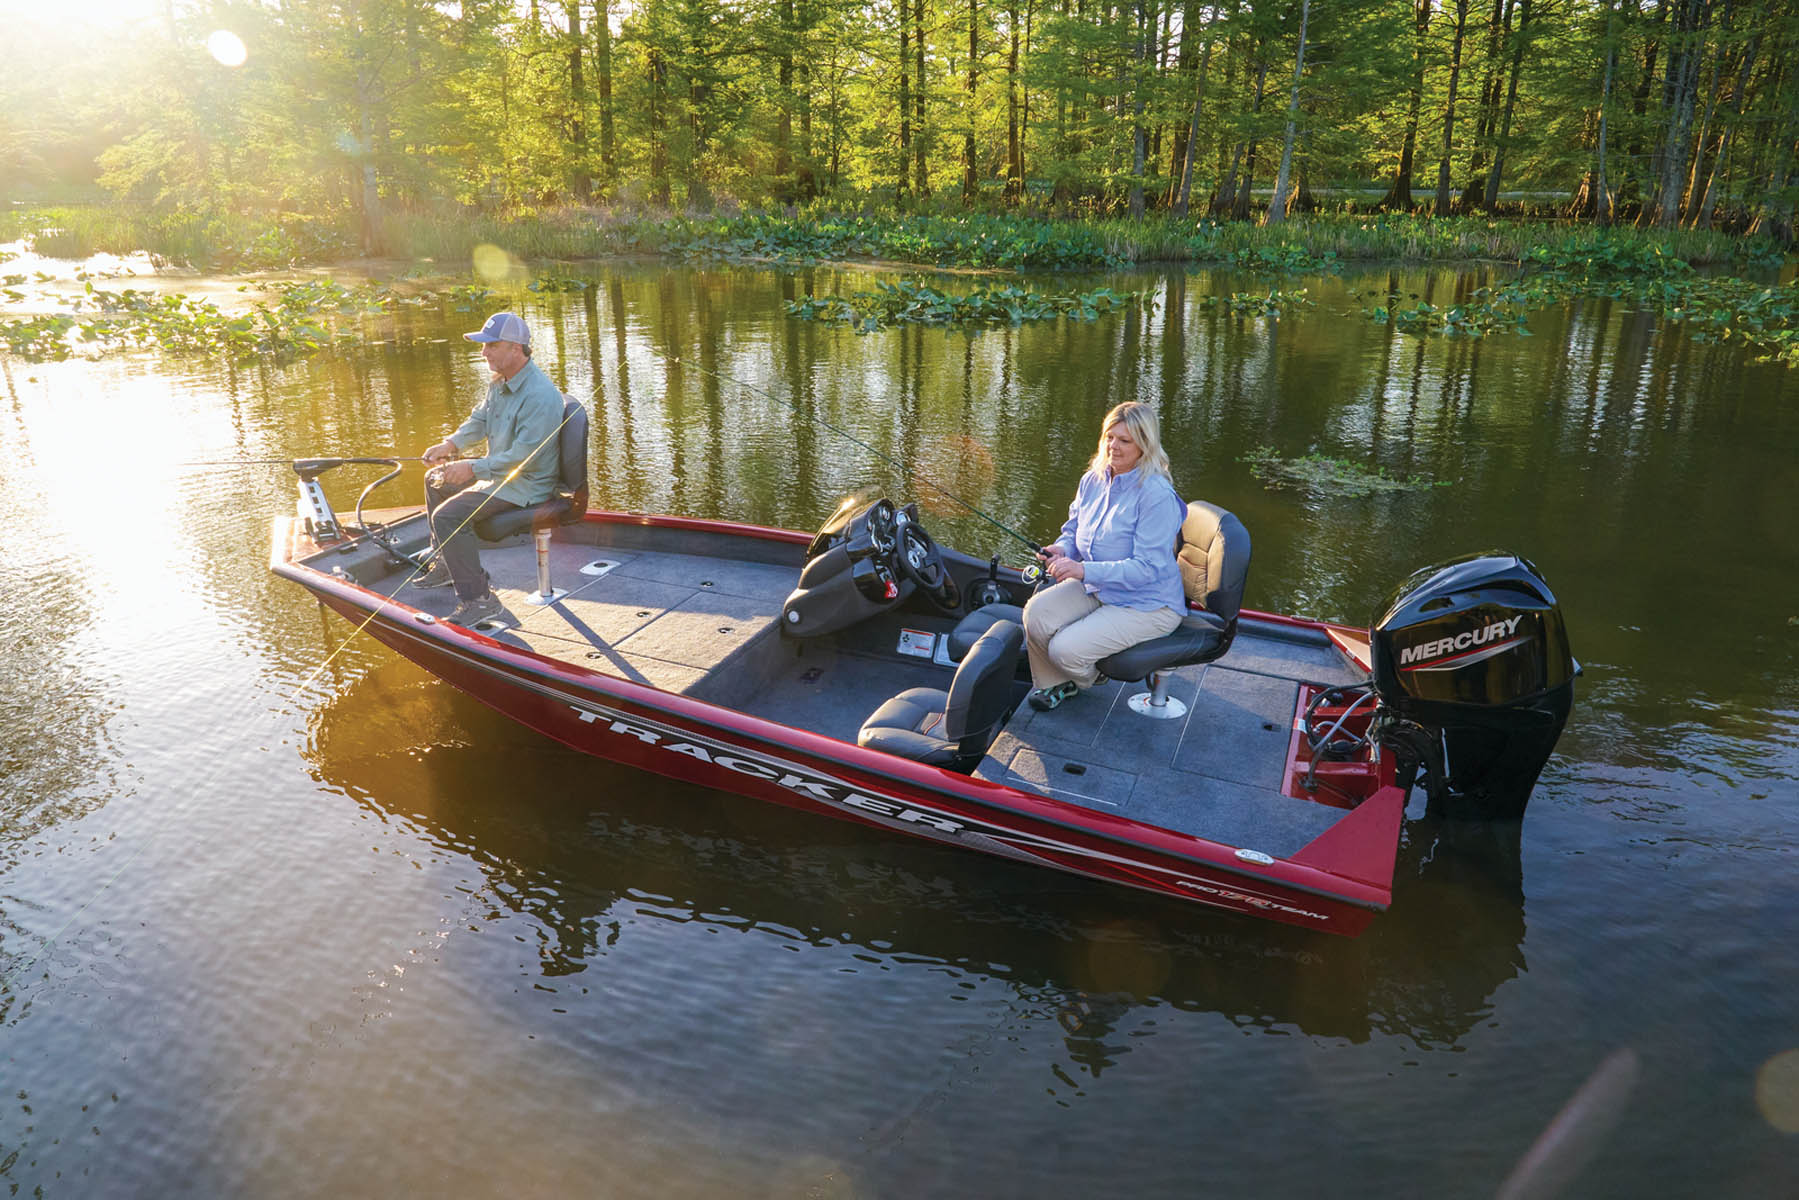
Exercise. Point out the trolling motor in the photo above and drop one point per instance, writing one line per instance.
(321, 523)
(1475, 680)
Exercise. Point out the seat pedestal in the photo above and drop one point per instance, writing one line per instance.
(545, 594)
(1156, 703)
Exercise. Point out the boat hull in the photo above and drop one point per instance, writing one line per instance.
(1337, 885)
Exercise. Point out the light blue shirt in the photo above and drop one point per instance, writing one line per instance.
(519, 417)
(1122, 529)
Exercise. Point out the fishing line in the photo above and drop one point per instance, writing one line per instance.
(7, 982)
(675, 361)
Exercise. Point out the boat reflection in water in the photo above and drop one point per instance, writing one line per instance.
(586, 852)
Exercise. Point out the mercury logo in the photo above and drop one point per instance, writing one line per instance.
(1491, 636)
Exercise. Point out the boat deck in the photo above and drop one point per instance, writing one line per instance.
(708, 627)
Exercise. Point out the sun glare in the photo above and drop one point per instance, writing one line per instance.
(227, 48)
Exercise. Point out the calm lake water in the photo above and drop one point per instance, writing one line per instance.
(280, 915)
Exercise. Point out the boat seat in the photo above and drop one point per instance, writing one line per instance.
(970, 628)
(569, 503)
(1214, 561)
(953, 729)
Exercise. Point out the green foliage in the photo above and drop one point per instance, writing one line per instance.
(972, 241)
(1284, 258)
(38, 339)
(1477, 318)
(366, 115)
(1271, 304)
(1714, 307)
(304, 318)
(1330, 476)
(917, 303)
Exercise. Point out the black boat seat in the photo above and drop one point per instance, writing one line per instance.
(569, 504)
(953, 729)
(970, 628)
(1213, 555)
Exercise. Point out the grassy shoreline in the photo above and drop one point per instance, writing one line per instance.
(980, 241)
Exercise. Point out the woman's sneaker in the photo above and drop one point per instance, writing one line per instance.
(1044, 699)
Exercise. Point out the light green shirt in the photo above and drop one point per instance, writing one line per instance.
(519, 420)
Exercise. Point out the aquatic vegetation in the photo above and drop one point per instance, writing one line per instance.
(1335, 476)
(971, 241)
(559, 283)
(1475, 319)
(1714, 307)
(897, 303)
(1285, 259)
(1271, 304)
(467, 297)
(39, 339)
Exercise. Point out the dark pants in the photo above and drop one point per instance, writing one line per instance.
(452, 514)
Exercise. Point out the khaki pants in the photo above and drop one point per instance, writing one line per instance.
(1067, 631)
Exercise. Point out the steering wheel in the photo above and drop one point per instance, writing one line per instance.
(921, 561)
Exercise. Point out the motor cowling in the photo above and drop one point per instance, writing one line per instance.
(1472, 666)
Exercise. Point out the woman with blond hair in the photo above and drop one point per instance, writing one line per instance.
(1116, 579)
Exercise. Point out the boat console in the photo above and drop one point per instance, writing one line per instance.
(865, 559)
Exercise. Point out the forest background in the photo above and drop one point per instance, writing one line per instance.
(321, 128)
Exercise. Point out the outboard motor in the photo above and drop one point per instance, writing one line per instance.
(1472, 667)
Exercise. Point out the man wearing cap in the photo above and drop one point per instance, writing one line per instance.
(519, 419)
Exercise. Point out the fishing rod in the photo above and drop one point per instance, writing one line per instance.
(288, 462)
(676, 361)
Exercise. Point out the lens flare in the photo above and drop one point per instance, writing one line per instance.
(495, 265)
(227, 48)
(1777, 1091)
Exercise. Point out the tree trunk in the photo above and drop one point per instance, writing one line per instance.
(1499, 28)
(577, 90)
(659, 181)
(1602, 198)
(1277, 204)
(1490, 200)
(1199, 96)
(1014, 152)
(1455, 72)
(1140, 85)
(784, 184)
(1702, 216)
(603, 65)
(1692, 19)
(969, 181)
(1400, 194)
(905, 101)
(1234, 193)
(923, 183)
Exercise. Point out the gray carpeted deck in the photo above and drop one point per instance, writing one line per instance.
(709, 628)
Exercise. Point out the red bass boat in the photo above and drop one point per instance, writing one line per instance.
(1248, 761)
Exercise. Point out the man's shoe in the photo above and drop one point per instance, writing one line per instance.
(1044, 699)
(438, 576)
(471, 613)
